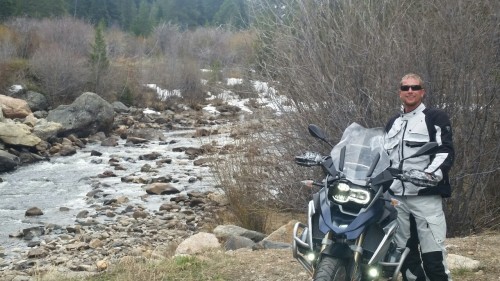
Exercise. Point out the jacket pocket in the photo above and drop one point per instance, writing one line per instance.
(391, 139)
(437, 225)
(417, 135)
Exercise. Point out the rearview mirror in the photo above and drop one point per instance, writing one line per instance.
(317, 132)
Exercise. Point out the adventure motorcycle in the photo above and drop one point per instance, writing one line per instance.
(351, 222)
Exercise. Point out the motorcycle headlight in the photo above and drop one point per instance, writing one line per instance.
(341, 192)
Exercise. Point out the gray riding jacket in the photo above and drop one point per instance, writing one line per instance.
(405, 133)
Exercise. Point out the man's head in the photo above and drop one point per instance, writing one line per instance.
(411, 91)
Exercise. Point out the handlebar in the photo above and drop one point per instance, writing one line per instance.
(416, 177)
(309, 159)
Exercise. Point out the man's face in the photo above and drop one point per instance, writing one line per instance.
(411, 97)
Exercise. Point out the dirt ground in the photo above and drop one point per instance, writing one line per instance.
(276, 265)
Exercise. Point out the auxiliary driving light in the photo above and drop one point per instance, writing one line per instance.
(310, 256)
(373, 272)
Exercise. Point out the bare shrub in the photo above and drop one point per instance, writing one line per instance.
(188, 80)
(176, 75)
(121, 45)
(121, 82)
(12, 71)
(27, 40)
(256, 176)
(7, 44)
(340, 62)
(167, 40)
(61, 74)
(73, 34)
(245, 180)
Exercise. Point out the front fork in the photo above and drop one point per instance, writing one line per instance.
(356, 248)
(358, 253)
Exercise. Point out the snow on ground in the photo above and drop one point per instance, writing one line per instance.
(267, 96)
(234, 81)
(164, 94)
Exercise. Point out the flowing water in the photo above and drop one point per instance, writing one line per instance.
(65, 181)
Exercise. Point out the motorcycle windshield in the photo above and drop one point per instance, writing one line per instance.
(362, 146)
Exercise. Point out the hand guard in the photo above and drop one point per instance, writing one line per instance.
(420, 178)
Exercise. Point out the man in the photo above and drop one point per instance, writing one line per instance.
(419, 206)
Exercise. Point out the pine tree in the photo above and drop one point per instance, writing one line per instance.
(7, 9)
(98, 58)
(142, 26)
(233, 12)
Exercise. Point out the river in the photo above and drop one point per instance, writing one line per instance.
(65, 182)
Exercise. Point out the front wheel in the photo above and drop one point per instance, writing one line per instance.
(330, 269)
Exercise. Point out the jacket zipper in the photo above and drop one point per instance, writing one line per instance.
(401, 145)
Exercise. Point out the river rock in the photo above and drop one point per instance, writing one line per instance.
(37, 253)
(32, 232)
(14, 108)
(66, 150)
(224, 231)
(18, 134)
(136, 140)
(237, 242)
(45, 129)
(8, 161)
(197, 243)
(35, 100)
(461, 262)
(150, 156)
(102, 265)
(120, 107)
(161, 188)
(140, 214)
(282, 234)
(111, 141)
(87, 115)
(33, 211)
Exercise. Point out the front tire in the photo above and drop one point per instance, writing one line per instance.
(330, 269)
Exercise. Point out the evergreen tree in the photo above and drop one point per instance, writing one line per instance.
(40, 8)
(142, 25)
(79, 8)
(98, 57)
(127, 10)
(185, 13)
(138, 16)
(209, 9)
(233, 12)
(114, 13)
(98, 11)
(7, 10)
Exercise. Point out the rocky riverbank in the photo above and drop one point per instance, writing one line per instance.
(114, 226)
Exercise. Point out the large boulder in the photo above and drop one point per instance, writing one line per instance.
(46, 130)
(283, 234)
(18, 134)
(8, 161)
(87, 115)
(198, 243)
(14, 108)
(36, 101)
(120, 107)
(226, 231)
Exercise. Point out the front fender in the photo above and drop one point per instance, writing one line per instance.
(338, 250)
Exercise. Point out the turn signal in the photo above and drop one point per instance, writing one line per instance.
(308, 183)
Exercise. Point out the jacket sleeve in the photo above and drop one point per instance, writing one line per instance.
(445, 155)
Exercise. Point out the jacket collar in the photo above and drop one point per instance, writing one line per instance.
(417, 110)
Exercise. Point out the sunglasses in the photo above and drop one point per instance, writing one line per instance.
(413, 87)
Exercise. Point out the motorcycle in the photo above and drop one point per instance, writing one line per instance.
(351, 219)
